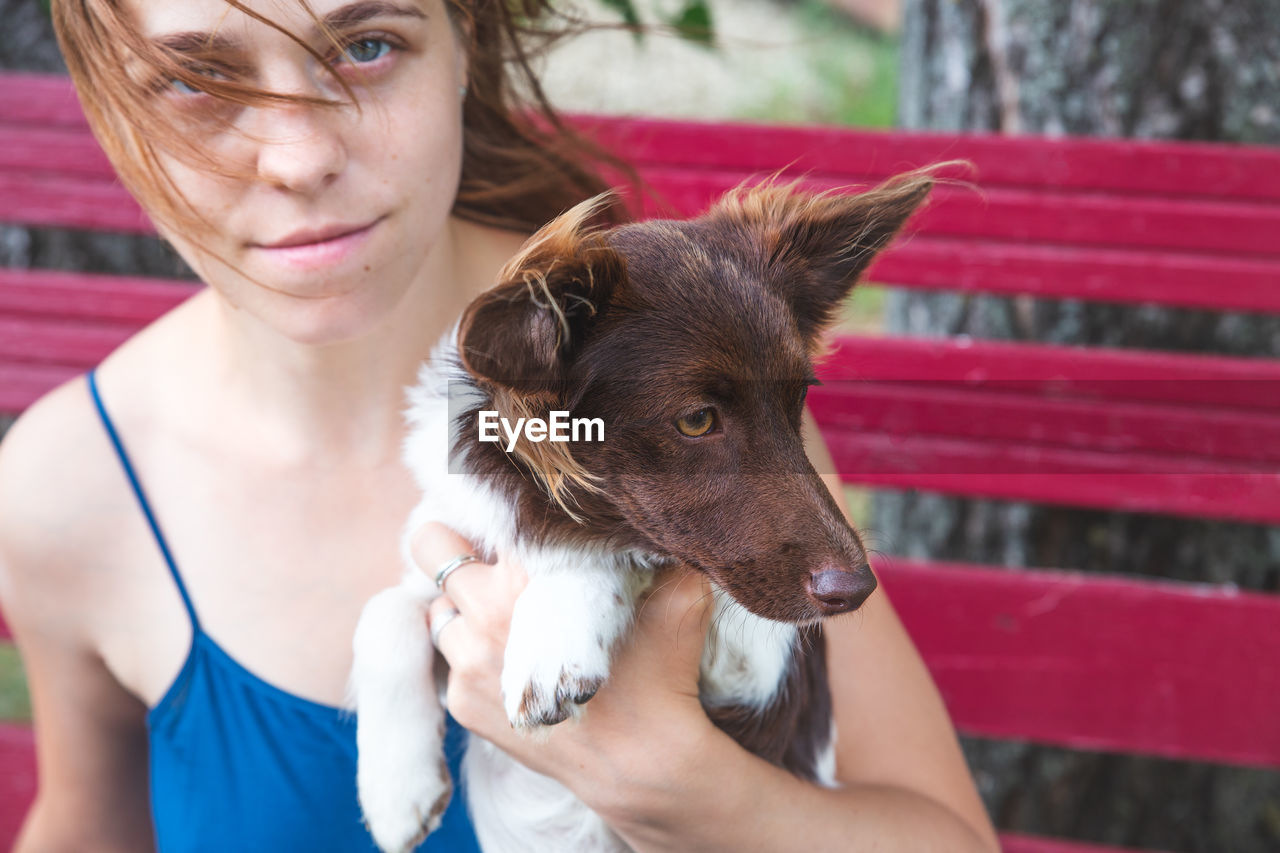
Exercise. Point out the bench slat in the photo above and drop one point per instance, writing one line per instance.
(23, 384)
(54, 150)
(1094, 273)
(17, 779)
(86, 296)
(1067, 658)
(41, 200)
(1182, 169)
(1060, 477)
(1190, 437)
(40, 99)
(1087, 373)
(1042, 217)
(60, 342)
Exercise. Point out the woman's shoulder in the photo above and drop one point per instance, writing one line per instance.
(54, 464)
(53, 477)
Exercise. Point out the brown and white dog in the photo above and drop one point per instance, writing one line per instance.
(693, 342)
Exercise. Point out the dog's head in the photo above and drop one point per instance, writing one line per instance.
(693, 342)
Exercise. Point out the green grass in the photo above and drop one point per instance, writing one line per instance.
(862, 313)
(857, 73)
(858, 500)
(15, 704)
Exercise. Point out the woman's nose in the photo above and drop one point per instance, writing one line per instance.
(299, 146)
(299, 149)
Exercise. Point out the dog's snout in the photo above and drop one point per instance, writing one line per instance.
(840, 591)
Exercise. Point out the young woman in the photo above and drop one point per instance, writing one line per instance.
(188, 535)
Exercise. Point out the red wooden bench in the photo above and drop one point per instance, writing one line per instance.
(1139, 666)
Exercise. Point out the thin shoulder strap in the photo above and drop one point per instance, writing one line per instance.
(142, 500)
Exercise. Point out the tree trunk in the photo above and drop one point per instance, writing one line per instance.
(1145, 68)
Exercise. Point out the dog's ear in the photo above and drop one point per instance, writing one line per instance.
(525, 332)
(817, 245)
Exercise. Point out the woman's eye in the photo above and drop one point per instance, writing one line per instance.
(365, 50)
(182, 87)
(699, 423)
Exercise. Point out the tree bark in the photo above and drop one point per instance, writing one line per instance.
(1139, 68)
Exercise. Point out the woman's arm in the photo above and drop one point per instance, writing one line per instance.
(90, 732)
(895, 731)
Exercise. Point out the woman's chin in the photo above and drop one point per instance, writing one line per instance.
(313, 321)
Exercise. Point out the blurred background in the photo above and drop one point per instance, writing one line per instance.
(1172, 69)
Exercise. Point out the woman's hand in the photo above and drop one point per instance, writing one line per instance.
(646, 758)
(640, 733)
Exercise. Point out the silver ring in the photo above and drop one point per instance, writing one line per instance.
(452, 566)
(440, 622)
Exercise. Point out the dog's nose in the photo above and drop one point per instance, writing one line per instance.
(839, 591)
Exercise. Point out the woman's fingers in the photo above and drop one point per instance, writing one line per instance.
(469, 623)
(671, 628)
(442, 618)
(478, 589)
(435, 547)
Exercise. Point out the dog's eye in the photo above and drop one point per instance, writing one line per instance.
(699, 423)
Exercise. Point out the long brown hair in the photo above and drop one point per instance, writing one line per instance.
(521, 164)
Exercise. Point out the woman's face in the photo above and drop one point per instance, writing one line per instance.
(340, 210)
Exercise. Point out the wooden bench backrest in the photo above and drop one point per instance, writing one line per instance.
(1159, 668)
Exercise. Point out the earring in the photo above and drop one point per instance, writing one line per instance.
(462, 92)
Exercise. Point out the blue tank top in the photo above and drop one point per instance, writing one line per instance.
(237, 764)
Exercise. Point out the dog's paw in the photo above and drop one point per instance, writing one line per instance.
(545, 703)
(544, 686)
(402, 809)
(558, 650)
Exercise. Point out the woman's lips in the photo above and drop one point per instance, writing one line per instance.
(314, 250)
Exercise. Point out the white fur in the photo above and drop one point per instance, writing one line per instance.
(515, 810)
(400, 723)
(746, 655)
(579, 603)
(826, 763)
(460, 501)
